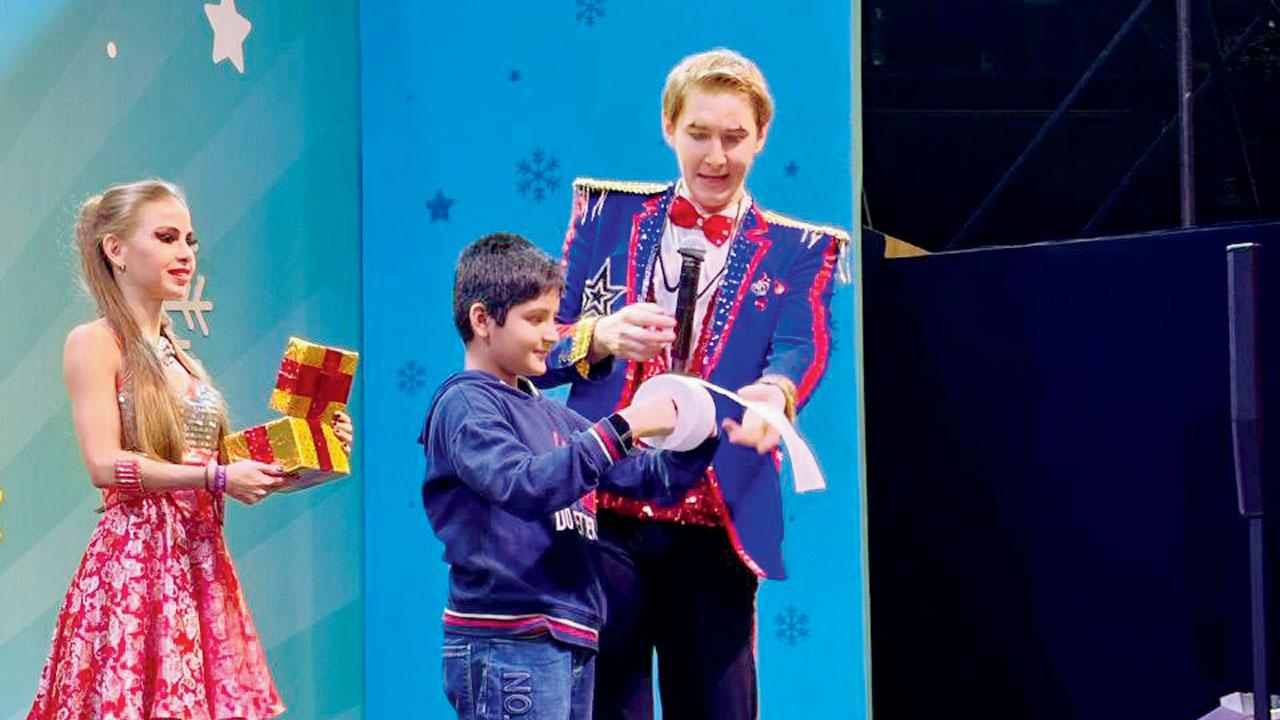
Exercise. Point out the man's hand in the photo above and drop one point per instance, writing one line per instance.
(754, 431)
(636, 332)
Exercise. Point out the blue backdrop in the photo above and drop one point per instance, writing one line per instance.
(477, 117)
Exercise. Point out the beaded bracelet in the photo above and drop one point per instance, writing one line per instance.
(220, 480)
(128, 476)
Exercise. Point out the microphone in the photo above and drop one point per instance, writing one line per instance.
(686, 305)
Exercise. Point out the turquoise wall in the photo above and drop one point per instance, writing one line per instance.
(270, 160)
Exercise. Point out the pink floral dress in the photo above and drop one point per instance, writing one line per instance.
(155, 624)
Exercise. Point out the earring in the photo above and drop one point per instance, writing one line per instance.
(120, 268)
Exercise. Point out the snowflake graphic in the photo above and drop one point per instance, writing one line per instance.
(412, 378)
(192, 306)
(537, 175)
(792, 625)
(589, 11)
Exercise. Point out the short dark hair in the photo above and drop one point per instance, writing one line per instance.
(499, 271)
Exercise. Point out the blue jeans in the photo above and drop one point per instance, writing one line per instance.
(517, 678)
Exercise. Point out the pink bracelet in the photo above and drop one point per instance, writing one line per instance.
(128, 476)
(220, 480)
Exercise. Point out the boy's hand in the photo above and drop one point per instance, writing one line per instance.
(754, 432)
(655, 416)
(636, 332)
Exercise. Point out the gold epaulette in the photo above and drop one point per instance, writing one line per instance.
(841, 236)
(636, 187)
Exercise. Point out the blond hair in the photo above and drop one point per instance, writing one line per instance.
(718, 70)
(155, 425)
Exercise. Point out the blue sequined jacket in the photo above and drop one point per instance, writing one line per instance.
(771, 316)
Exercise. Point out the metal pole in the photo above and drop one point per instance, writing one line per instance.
(1238, 44)
(1186, 105)
(1258, 608)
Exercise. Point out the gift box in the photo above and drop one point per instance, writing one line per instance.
(314, 381)
(307, 449)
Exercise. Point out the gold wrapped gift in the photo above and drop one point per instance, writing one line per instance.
(314, 381)
(307, 449)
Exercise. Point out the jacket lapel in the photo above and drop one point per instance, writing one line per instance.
(745, 255)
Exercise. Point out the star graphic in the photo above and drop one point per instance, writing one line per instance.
(439, 207)
(514, 76)
(792, 168)
(598, 295)
(230, 28)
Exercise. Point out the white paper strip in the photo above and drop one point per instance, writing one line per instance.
(696, 421)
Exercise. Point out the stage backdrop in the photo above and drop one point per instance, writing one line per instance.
(476, 118)
(263, 132)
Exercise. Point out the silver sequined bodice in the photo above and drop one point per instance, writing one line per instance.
(202, 413)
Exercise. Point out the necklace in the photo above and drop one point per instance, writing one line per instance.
(662, 266)
(662, 270)
(164, 351)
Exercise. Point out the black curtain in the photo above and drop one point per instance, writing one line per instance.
(1051, 497)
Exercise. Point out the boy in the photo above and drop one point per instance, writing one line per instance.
(510, 490)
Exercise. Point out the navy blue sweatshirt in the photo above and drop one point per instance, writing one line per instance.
(510, 491)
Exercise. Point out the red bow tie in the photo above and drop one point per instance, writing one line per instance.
(715, 227)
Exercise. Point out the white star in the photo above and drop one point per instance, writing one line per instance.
(230, 28)
(598, 295)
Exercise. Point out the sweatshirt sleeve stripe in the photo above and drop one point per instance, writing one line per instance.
(609, 441)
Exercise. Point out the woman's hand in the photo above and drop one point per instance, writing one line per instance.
(345, 431)
(250, 481)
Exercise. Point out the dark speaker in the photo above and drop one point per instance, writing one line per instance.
(1244, 296)
(1243, 272)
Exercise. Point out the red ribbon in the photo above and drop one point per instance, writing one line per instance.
(259, 444)
(322, 445)
(324, 383)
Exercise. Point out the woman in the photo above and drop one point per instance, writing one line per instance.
(154, 624)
